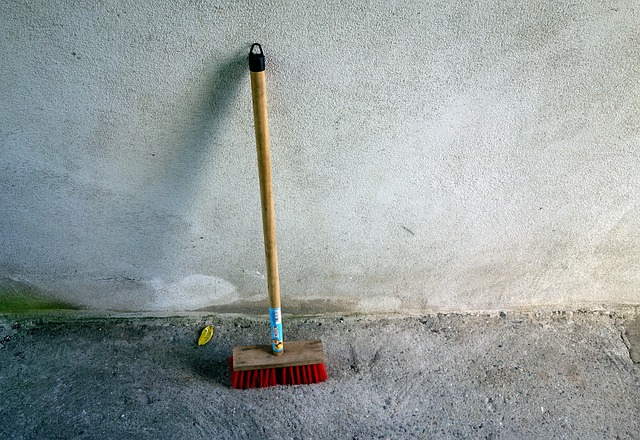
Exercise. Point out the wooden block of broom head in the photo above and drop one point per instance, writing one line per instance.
(296, 353)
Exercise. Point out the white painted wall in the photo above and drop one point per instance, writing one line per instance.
(439, 155)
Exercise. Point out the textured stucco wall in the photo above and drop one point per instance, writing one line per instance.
(439, 155)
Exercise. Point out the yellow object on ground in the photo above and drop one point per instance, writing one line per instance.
(205, 335)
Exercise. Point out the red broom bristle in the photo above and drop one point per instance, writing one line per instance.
(268, 377)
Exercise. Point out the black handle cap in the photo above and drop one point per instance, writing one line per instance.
(256, 60)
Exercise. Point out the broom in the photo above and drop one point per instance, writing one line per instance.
(266, 365)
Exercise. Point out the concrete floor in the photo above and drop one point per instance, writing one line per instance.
(525, 376)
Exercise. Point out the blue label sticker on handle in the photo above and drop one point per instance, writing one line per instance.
(275, 316)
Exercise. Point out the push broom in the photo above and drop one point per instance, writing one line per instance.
(302, 362)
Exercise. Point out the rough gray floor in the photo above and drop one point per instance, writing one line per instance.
(557, 375)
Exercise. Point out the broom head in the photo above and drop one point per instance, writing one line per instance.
(256, 366)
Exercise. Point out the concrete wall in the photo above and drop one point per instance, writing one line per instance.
(439, 155)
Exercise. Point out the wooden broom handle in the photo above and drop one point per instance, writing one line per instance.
(259, 97)
(261, 122)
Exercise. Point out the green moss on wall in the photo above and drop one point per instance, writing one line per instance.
(17, 297)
